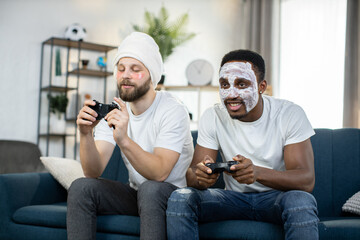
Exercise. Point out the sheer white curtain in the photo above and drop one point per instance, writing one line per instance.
(352, 70)
(312, 46)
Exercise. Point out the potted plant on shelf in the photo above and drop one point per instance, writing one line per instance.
(168, 35)
(57, 105)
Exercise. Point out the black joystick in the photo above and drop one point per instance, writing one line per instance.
(221, 166)
(102, 109)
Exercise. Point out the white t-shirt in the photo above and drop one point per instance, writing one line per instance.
(164, 124)
(262, 141)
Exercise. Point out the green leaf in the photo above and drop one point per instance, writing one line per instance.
(168, 35)
(58, 103)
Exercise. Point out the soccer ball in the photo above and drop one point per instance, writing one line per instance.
(75, 32)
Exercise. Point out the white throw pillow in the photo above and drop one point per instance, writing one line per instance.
(64, 170)
(352, 205)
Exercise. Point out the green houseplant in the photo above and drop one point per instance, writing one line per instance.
(58, 104)
(168, 35)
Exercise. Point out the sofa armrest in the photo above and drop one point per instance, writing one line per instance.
(24, 189)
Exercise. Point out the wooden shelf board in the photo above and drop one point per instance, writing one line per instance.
(71, 119)
(57, 135)
(57, 89)
(78, 44)
(91, 73)
(188, 87)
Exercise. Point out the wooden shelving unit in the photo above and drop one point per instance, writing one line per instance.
(46, 84)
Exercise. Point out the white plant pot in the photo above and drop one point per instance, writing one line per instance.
(57, 124)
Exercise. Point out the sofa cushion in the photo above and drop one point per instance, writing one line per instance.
(14, 161)
(346, 152)
(339, 228)
(116, 169)
(240, 229)
(336, 156)
(64, 170)
(54, 215)
(323, 161)
(129, 225)
(352, 205)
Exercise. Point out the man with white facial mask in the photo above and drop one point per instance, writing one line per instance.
(247, 93)
(269, 140)
(152, 130)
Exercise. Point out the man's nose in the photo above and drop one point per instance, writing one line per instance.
(126, 74)
(233, 93)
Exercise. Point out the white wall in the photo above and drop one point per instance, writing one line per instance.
(25, 24)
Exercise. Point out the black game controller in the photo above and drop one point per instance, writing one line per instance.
(221, 166)
(102, 109)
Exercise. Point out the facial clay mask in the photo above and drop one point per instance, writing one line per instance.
(233, 71)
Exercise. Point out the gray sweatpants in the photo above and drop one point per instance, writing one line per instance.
(89, 197)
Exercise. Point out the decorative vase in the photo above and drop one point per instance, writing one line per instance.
(58, 79)
(57, 63)
(85, 63)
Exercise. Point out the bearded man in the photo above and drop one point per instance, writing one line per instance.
(152, 130)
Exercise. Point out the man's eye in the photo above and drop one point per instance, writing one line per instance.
(224, 85)
(242, 85)
(135, 69)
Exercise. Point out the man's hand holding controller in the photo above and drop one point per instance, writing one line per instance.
(204, 174)
(91, 113)
(119, 119)
(243, 172)
(86, 119)
(241, 169)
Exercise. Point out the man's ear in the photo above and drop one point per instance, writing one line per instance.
(262, 86)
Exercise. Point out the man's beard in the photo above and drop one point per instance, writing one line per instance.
(235, 115)
(238, 116)
(137, 93)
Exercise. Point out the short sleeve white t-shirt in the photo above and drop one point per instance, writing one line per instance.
(164, 124)
(262, 141)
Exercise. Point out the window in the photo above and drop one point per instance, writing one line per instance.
(312, 47)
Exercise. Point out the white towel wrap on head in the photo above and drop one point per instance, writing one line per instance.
(142, 47)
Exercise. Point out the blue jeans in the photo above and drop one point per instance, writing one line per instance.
(295, 210)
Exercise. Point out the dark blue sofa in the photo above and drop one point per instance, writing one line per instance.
(33, 205)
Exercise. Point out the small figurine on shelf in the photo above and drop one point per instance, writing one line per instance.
(101, 62)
